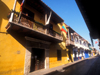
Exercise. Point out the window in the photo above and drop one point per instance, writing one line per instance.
(58, 55)
(84, 44)
(72, 37)
(28, 12)
(80, 42)
(76, 40)
(51, 27)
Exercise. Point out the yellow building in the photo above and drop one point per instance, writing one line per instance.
(30, 40)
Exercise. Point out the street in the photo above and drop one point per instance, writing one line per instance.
(86, 67)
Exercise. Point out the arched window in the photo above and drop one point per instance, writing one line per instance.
(72, 37)
(84, 43)
(80, 42)
(76, 40)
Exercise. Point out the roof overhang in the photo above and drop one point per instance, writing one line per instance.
(90, 12)
(43, 8)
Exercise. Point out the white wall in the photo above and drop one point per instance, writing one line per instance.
(80, 53)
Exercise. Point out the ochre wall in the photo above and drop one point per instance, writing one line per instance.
(12, 54)
(71, 54)
(56, 27)
(59, 46)
(12, 47)
(53, 56)
(37, 16)
(41, 19)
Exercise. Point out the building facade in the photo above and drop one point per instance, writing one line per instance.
(77, 44)
(31, 38)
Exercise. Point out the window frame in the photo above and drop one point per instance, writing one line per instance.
(59, 55)
(72, 37)
(80, 42)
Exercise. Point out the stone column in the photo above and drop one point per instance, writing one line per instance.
(46, 58)
(27, 61)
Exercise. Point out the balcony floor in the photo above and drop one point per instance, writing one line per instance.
(30, 32)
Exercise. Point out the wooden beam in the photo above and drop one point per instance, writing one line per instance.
(36, 40)
(48, 20)
(45, 18)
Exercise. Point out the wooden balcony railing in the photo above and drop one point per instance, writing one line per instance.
(29, 22)
(54, 34)
(69, 42)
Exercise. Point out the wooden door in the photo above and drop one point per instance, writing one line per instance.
(37, 59)
(32, 68)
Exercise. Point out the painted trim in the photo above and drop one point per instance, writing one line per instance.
(45, 59)
(25, 62)
(12, 14)
(48, 21)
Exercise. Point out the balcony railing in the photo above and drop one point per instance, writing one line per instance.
(29, 22)
(54, 34)
(69, 42)
(34, 25)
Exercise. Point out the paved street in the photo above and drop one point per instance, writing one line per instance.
(86, 67)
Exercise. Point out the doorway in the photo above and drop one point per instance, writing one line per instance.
(75, 57)
(37, 59)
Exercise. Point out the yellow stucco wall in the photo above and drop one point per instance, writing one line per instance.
(12, 55)
(12, 51)
(12, 47)
(53, 56)
(37, 15)
(59, 46)
(55, 27)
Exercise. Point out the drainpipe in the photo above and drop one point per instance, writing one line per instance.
(12, 14)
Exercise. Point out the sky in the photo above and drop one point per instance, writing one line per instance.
(70, 13)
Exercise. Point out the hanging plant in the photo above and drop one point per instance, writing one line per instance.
(9, 14)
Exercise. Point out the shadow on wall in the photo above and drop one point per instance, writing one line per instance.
(53, 50)
(4, 10)
(70, 54)
(19, 37)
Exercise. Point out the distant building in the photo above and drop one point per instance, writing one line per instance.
(77, 45)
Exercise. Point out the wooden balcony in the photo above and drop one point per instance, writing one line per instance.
(29, 27)
(69, 42)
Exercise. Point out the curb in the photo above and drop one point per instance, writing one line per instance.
(76, 62)
(61, 68)
(66, 66)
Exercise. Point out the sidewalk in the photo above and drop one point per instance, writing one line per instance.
(59, 68)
